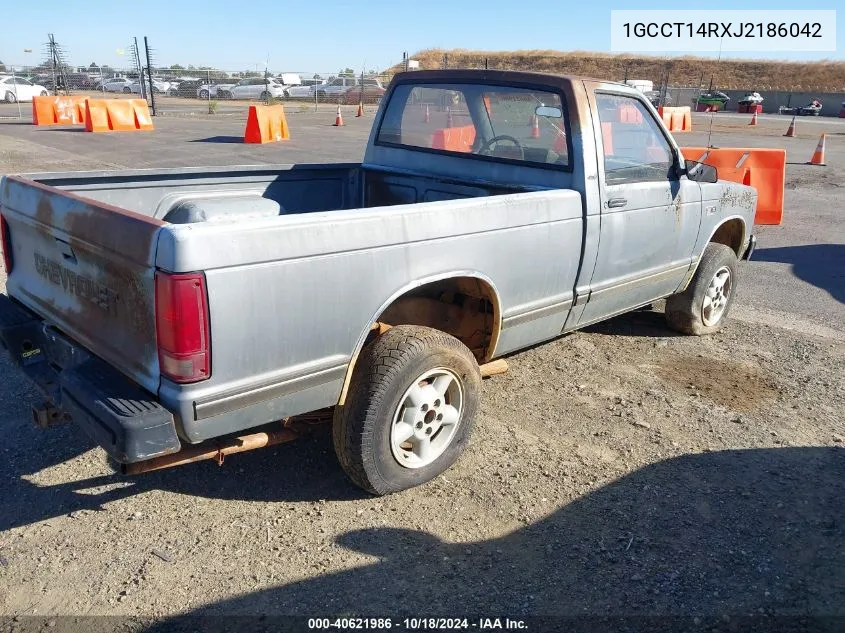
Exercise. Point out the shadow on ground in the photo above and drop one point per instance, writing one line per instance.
(646, 322)
(715, 535)
(220, 139)
(822, 265)
(303, 470)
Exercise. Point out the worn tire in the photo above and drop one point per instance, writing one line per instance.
(685, 311)
(386, 368)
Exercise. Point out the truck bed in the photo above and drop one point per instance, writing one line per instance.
(186, 196)
(283, 243)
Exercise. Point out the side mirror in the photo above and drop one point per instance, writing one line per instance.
(699, 172)
(549, 111)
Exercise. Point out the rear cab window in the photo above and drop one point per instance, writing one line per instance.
(484, 122)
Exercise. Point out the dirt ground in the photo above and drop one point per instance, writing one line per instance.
(618, 471)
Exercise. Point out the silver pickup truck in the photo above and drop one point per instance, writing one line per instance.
(167, 311)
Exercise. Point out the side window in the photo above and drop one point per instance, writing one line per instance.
(635, 149)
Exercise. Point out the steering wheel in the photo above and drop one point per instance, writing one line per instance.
(487, 147)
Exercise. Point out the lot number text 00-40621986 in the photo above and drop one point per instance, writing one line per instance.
(734, 30)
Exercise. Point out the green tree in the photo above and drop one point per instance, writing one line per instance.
(177, 67)
(346, 72)
(2, 67)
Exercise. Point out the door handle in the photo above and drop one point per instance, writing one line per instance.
(615, 203)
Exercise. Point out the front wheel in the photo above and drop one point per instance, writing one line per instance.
(203, 94)
(127, 91)
(43, 93)
(409, 411)
(11, 97)
(703, 307)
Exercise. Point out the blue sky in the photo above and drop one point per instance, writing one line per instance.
(324, 35)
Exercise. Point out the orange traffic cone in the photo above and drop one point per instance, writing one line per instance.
(427, 114)
(360, 109)
(754, 119)
(338, 120)
(560, 142)
(535, 128)
(449, 121)
(791, 130)
(818, 155)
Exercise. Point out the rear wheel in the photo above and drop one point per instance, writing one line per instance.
(203, 94)
(43, 93)
(703, 307)
(265, 96)
(409, 411)
(127, 90)
(11, 97)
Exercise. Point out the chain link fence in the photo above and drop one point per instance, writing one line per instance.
(203, 89)
(197, 90)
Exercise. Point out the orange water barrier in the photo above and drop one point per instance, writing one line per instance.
(676, 119)
(761, 168)
(58, 110)
(454, 139)
(267, 124)
(117, 115)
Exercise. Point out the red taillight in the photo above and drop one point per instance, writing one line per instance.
(7, 244)
(182, 326)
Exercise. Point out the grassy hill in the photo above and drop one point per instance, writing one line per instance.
(821, 76)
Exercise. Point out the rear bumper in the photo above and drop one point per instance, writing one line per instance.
(129, 423)
(752, 244)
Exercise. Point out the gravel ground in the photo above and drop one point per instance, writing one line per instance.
(621, 470)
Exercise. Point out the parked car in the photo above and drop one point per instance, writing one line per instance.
(256, 88)
(80, 81)
(305, 90)
(187, 88)
(654, 97)
(336, 89)
(220, 91)
(813, 108)
(145, 304)
(370, 93)
(158, 86)
(98, 85)
(14, 89)
(118, 84)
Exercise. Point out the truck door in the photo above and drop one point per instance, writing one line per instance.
(650, 215)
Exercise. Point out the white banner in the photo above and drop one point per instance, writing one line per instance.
(727, 30)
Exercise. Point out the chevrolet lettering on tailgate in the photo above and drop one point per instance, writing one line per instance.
(76, 284)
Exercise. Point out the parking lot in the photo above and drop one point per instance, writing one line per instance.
(618, 470)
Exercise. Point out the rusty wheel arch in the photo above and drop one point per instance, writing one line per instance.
(465, 306)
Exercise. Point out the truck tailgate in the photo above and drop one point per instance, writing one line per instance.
(88, 269)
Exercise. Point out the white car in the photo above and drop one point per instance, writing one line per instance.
(305, 90)
(14, 89)
(205, 91)
(159, 86)
(256, 88)
(336, 86)
(118, 84)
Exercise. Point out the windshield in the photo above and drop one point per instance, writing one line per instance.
(487, 121)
